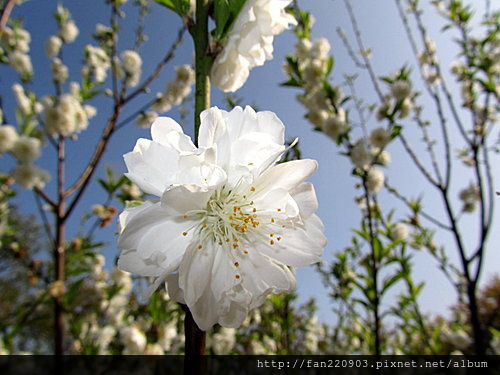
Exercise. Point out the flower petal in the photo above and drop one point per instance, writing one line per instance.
(168, 132)
(152, 166)
(305, 196)
(285, 176)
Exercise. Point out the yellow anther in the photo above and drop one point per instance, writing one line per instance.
(278, 238)
(185, 216)
(272, 220)
(237, 276)
(204, 225)
(237, 264)
(279, 209)
(184, 233)
(254, 210)
(227, 239)
(235, 245)
(250, 163)
(220, 243)
(271, 242)
(271, 235)
(200, 247)
(252, 189)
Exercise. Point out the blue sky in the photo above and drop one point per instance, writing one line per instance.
(335, 188)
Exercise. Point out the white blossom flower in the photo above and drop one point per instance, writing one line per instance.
(360, 154)
(374, 180)
(399, 231)
(8, 137)
(23, 102)
(250, 42)
(131, 64)
(229, 220)
(400, 89)
(30, 176)
(380, 137)
(21, 62)
(26, 148)
(185, 73)
(334, 126)
(59, 71)
(98, 61)
(406, 107)
(145, 119)
(382, 158)
(69, 31)
(133, 339)
(53, 46)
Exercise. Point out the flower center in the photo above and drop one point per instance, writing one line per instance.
(230, 217)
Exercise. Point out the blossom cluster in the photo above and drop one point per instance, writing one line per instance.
(15, 45)
(175, 92)
(26, 150)
(66, 115)
(250, 42)
(312, 64)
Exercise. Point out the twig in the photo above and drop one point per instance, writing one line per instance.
(44, 217)
(417, 161)
(366, 60)
(6, 13)
(402, 198)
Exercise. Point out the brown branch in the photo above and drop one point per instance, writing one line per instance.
(6, 13)
(81, 184)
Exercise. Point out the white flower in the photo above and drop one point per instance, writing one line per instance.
(400, 89)
(8, 137)
(374, 180)
(360, 154)
(30, 176)
(98, 61)
(69, 31)
(26, 148)
(23, 102)
(318, 117)
(228, 222)
(21, 62)
(334, 126)
(53, 46)
(382, 158)
(399, 232)
(133, 340)
(145, 119)
(250, 42)
(132, 62)
(59, 71)
(321, 48)
(380, 137)
(185, 73)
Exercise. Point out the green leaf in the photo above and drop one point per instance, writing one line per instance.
(167, 3)
(390, 281)
(222, 13)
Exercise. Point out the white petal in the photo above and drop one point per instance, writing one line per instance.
(305, 196)
(130, 261)
(169, 133)
(299, 246)
(286, 175)
(194, 272)
(179, 200)
(262, 275)
(152, 166)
